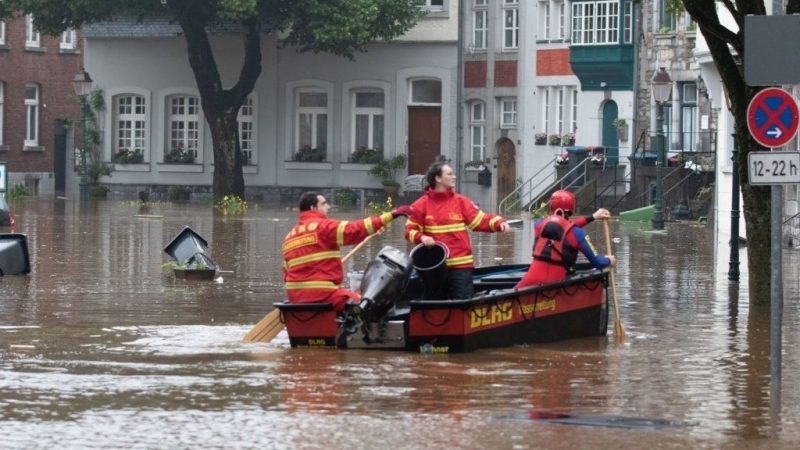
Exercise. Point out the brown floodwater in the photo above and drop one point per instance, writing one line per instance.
(118, 353)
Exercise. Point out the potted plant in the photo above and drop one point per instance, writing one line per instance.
(554, 139)
(386, 170)
(476, 165)
(179, 155)
(562, 159)
(568, 139)
(366, 156)
(598, 159)
(127, 156)
(540, 139)
(622, 128)
(308, 154)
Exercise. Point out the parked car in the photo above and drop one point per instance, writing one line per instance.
(6, 218)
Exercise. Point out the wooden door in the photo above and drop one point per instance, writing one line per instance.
(506, 169)
(424, 137)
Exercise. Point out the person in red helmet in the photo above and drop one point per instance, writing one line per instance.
(558, 240)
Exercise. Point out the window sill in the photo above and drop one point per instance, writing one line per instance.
(33, 148)
(69, 51)
(5, 46)
(35, 49)
(437, 14)
(183, 168)
(355, 167)
(250, 168)
(4, 148)
(136, 167)
(297, 165)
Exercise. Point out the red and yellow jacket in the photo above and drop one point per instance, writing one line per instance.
(445, 216)
(312, 264)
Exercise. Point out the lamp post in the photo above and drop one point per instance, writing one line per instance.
(662, 88)
(83, 87)
(733, 262)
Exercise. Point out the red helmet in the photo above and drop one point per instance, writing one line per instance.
(564, 200)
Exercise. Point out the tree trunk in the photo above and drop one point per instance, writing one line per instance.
(221, 106)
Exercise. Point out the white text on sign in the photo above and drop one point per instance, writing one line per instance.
(773, 167)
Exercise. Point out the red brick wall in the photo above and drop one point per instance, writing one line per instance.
(474, 74)
(553, 62)
(505, 73)
(53, 71)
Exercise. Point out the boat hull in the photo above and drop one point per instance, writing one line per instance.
(498, 316)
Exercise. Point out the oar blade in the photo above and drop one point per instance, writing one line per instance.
(266, 329)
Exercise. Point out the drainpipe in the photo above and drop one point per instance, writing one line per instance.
(459, 91)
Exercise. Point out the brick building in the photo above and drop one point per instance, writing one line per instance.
(36, 96)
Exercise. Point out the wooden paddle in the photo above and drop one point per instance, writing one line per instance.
(267, 328)
(619, 331)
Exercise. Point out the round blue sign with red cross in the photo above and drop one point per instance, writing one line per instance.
(772, 117)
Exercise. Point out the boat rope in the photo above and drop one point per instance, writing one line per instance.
(446, 319)
(296, 314)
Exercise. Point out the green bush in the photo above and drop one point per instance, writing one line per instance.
(178, 193)
(17, 191)
(367, 156)
(308, 154)
(98, 191)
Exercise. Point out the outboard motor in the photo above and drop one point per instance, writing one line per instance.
(384, 281)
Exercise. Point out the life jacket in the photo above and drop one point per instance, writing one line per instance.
(552, 243)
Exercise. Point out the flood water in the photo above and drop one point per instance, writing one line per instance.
(118, 353)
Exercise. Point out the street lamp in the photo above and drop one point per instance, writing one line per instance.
(83, 87)
(662, 89)
(733, 262)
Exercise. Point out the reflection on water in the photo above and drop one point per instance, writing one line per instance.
(99, 348)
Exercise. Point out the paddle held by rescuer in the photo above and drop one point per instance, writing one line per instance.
(558, 240)
(443, 216)
(312, 264)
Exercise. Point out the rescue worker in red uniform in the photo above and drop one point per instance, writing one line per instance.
(312, 264)
(557, 242)
(442, 215)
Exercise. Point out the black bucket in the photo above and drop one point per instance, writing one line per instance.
(429, 258)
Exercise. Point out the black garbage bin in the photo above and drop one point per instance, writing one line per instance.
(189, 248)
(576, 157)
(643, 159)
(14, 259)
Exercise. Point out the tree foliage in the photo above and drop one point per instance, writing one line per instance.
(340, 27)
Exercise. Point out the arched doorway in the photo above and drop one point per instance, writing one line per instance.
(506, 168)
(610, 141)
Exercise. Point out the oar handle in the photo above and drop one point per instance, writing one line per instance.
(359, 246)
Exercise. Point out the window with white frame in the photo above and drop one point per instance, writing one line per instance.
(544, 17)
(595, 23)
(2, 32)
(368, 120)
(666, 19)
(245, 121)
(689, 136)
(574, 117)
(510, 25)
(477, 129)
(184, 126)
(426, 92)
(433, 5)
(32, 36)
(31, 115)
(508, 118)
(560, 111)
(130, 116)
(562, 20)
(627, 22)
(68, 40)
(480, 29)
(311, 129)
(545, 110)
(481, 2)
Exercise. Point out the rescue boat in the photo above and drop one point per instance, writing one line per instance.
(391, 315)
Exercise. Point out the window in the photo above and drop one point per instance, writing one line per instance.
(477, 129)
(31, 115)
(129, 117)
(509, 117)
(689, 117)
(426, 92)
(184, 124)
(595, 22)
(245, 120)
(479, 29)
(666, 19)
(311, 129)
(68, 40)
(510, 25)
(32, 36)
(560, 110)
(368, 120)
(481, 2)
(545, 110)
(562, 20)
(627, 23)
(574, 117)
(2, 33)
(434, 5)
(545, 25)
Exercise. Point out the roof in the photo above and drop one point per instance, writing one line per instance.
(148, 27)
